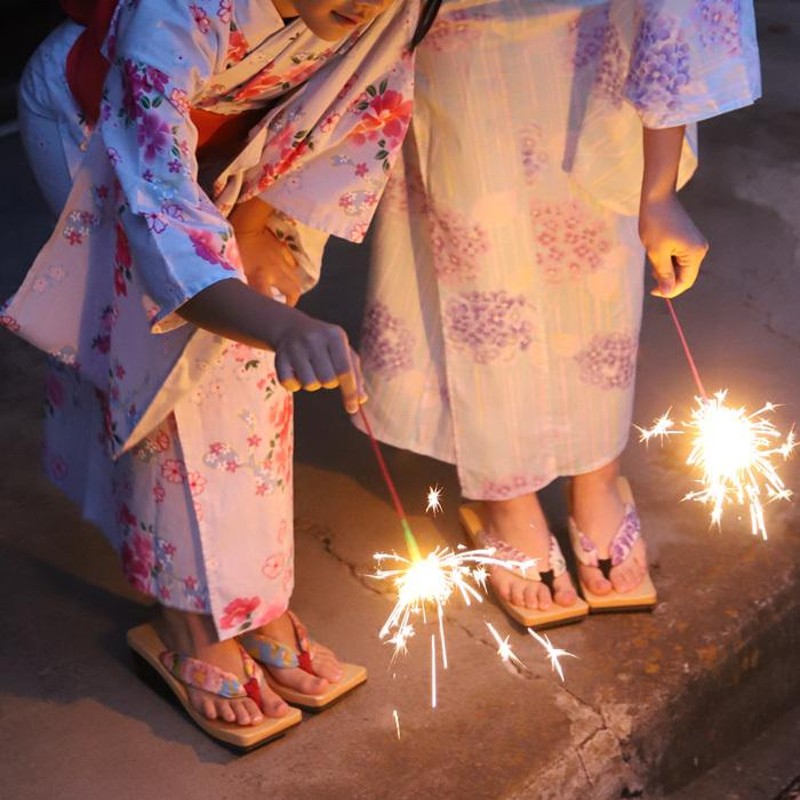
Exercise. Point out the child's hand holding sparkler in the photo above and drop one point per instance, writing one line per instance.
(674, 245)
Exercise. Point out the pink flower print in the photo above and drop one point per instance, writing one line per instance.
(57, 467)
(138, 561)
(180, 100)
(113, 155)
(208, 245)
(457, 242)
(159, 493)
(237, 48)
(273, 566)
(262, 489)
(54, 391)
(224, 10)
(280, 415)
(386, 342)
(609, 362)
(152, 135)
(238, 612)
(161, 441)
(197, 483)
(9, 322)
(40, 285)
(163, 593)
(231, 465)
(200, 18)
(361, 170)
(386, 114)
(571, 242)
(173, 471)
(330, 122)
(216, 448)
(258, 86)
(254, 440)
(534, 157)
(190, 582)
(490, 325)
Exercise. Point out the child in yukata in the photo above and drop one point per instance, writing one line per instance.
(501, 331)
(164, 133)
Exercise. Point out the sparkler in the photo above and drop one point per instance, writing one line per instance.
(553, 653)
(733, 450)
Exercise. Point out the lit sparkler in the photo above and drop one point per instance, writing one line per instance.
(734, 451)
(662, 428)
(553, 653)
(434, 502)
(396, 717)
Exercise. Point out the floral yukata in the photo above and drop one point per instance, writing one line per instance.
(176, 442)
(505, 299)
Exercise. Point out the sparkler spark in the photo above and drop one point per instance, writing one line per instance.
(434, 502)
(504, 650)
(396, 723)
(734, 451)
(553, 653)
(662, 427)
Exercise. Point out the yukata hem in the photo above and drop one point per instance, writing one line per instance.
(658, 121)
(430, 452)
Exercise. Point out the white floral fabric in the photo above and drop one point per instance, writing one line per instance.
(178, 443)
(504, 306)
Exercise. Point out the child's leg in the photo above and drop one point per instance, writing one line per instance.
(597, 510)
(521, 523)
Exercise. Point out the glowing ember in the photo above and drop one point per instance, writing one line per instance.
(662, 427)
(734, 452)
(396, 723)
(504, 648)
(553, 653)
(434, 502)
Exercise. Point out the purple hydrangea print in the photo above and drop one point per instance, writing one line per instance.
(660, 65)
(598, 51)
(570, 242)
(609, 362)
(719, 23)
(457, 242)
(490, 325)
(534, 157)
(386, 342)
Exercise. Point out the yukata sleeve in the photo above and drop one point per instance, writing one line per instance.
(692, 60)
(163, 54)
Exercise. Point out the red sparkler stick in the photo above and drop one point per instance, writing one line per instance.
(411, 542)
(686, 350)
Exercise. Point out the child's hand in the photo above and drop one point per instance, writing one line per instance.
(269, 264)
(675, 247)
(311, 354)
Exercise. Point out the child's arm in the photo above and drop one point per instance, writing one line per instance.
(309, 353)
(674, 245)
(267, 261)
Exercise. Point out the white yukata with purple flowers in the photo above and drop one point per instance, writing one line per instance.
(505, 298)
(175, 442)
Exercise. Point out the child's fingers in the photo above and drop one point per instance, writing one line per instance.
(663, 271)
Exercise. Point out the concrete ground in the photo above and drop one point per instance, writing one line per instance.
(652, 700)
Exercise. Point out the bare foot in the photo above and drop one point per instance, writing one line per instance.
(598, 510)
(327, 669)
(194, 635)
(521, 523)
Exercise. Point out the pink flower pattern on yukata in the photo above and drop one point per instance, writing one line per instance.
(457, 241)
(456, 30)
(148, 563)
(490, 325)
(239, 613)
(659, 70)
(719, 22)
(385, 116)
(77, 226)
(386, 342)
(534, 156)
(609, 361)
(598, 52)
(571, 243)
